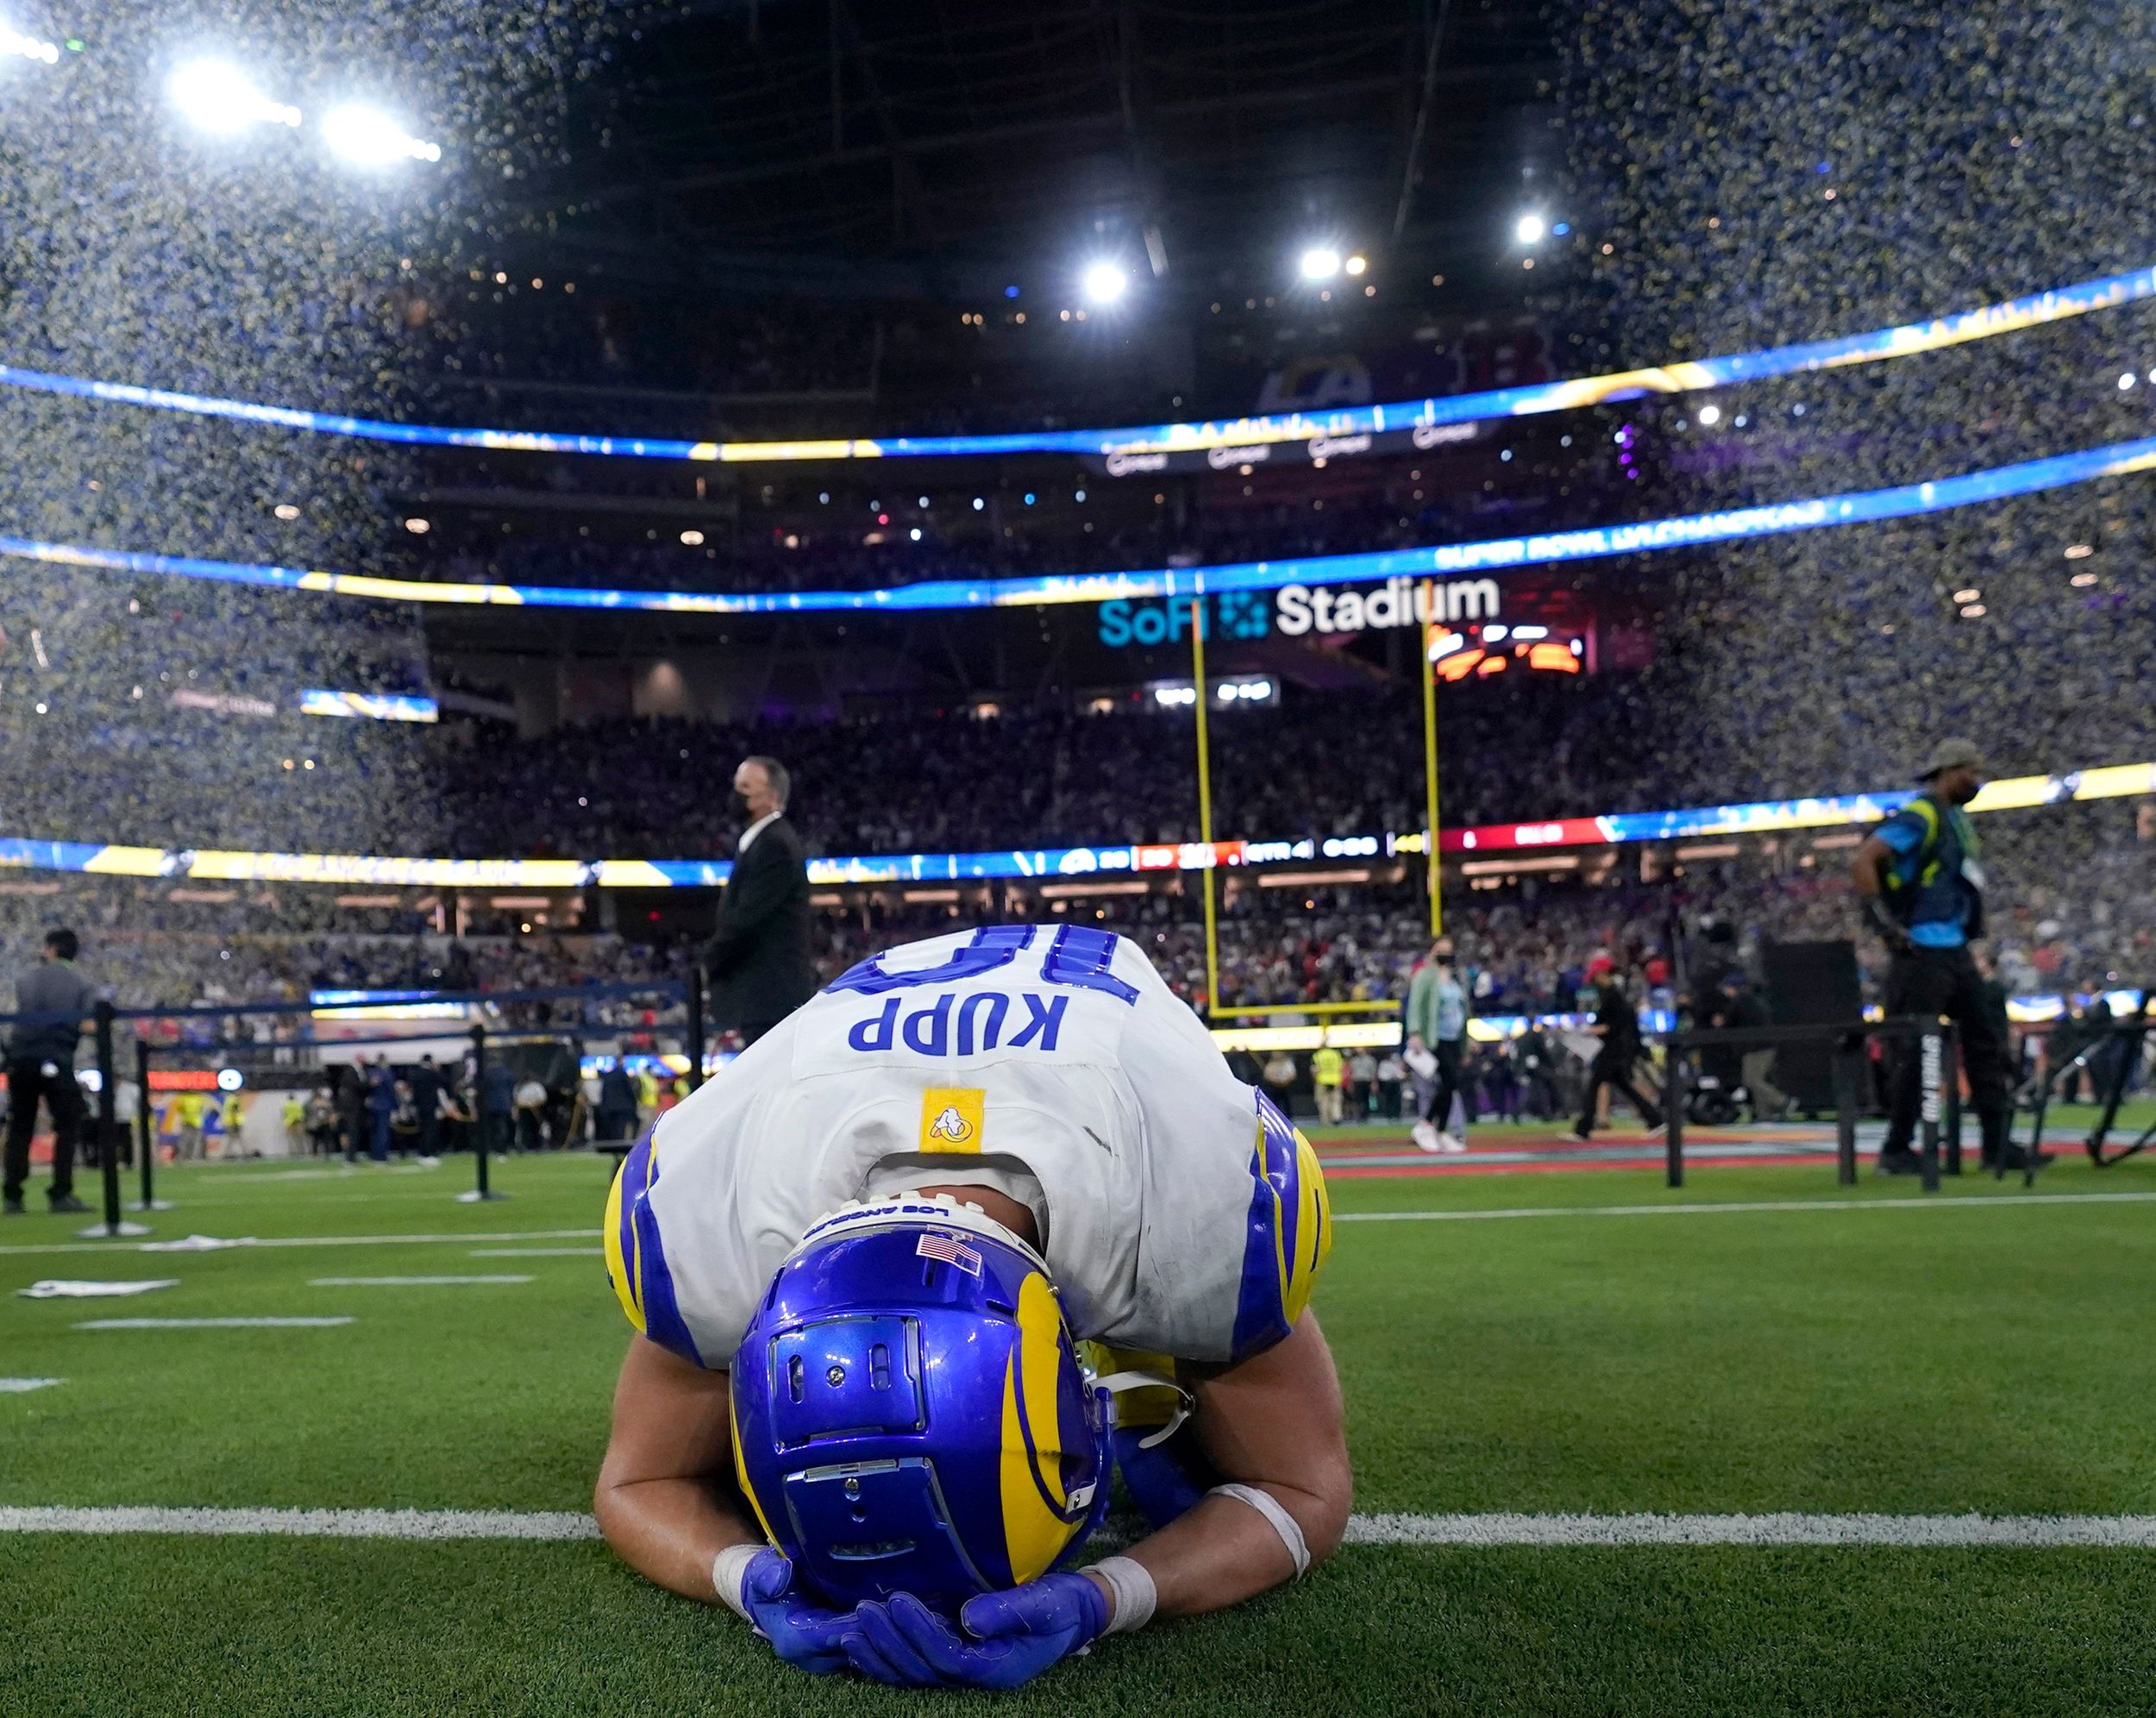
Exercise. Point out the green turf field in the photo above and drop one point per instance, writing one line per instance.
(1876, 1359)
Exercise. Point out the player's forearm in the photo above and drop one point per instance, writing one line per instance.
(1224, 1552)
(670, 1531)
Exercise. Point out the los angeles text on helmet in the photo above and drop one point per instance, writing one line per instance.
(1398, 602)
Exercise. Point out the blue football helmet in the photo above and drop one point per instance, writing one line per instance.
(910, 1413)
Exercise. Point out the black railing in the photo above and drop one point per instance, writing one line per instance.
(1939, 1114)
(105, 1015)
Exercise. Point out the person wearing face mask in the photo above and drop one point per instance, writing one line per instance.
(1437, 1035)
(1920, 885)
(759, 958)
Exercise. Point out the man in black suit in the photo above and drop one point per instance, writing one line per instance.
(759, 959)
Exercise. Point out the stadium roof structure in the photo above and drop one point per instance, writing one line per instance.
(844, 150)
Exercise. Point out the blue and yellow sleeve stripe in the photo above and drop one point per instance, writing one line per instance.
(636, 1254)
(1289, 1235)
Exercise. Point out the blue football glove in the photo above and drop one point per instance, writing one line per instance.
(1019, 1634)
(807, 1635)
(884, 1652)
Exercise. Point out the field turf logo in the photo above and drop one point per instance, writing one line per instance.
(1296, 609)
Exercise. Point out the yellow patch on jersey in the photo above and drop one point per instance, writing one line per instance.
(951, 1119)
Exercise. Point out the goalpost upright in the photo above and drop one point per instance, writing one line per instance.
(1428, 636)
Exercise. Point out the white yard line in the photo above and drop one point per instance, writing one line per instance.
(2137, 1531)
(400, 1524)
(212, 1323)
(405, 1282)
(1946, 1202)
(339, 1172)
(2027, 1532)
(24, 1386)
(466, 1239)
(1969, 1202)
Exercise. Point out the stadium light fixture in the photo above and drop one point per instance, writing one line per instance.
(1320, 262)
(1357, 265)
(216, 97)
(1530, 230)
(1105, 282)
(367, 137)
(1710, 415)
(28, 48)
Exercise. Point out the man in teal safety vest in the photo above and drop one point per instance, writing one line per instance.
(1921, 883)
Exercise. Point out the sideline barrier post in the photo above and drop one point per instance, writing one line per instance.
(1847, 1066)
(2122, 1063)
(108, 1159)
(482, 1191)
(696, 1025)
(1673, 1113)
(145, 1130)
(1951, 1072)
(1930, 1049)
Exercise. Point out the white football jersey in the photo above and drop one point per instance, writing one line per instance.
(1184, 1215)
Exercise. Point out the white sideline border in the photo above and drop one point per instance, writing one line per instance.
(406, 1280)
(1728, 1208)
(1710, 1207)
(1752, 1207)
(470, 1237)
(217, 1324)
(2136, 1533)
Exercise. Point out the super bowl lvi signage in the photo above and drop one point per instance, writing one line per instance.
(1297, 609)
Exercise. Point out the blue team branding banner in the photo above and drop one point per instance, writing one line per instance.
(377, 706)
(1053, 864)
(1225, 441)
(1178, 583)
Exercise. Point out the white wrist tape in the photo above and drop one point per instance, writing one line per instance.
(1135, 1593)
(730, 1575)
(1271, 1508)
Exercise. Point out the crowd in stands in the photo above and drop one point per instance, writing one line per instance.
(157, 711)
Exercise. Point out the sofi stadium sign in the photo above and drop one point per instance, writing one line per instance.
(1294, 610)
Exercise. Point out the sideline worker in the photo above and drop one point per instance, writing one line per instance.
(41, 1065)
(1328, 1069)
(1437, 1037)
(1921, 883)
